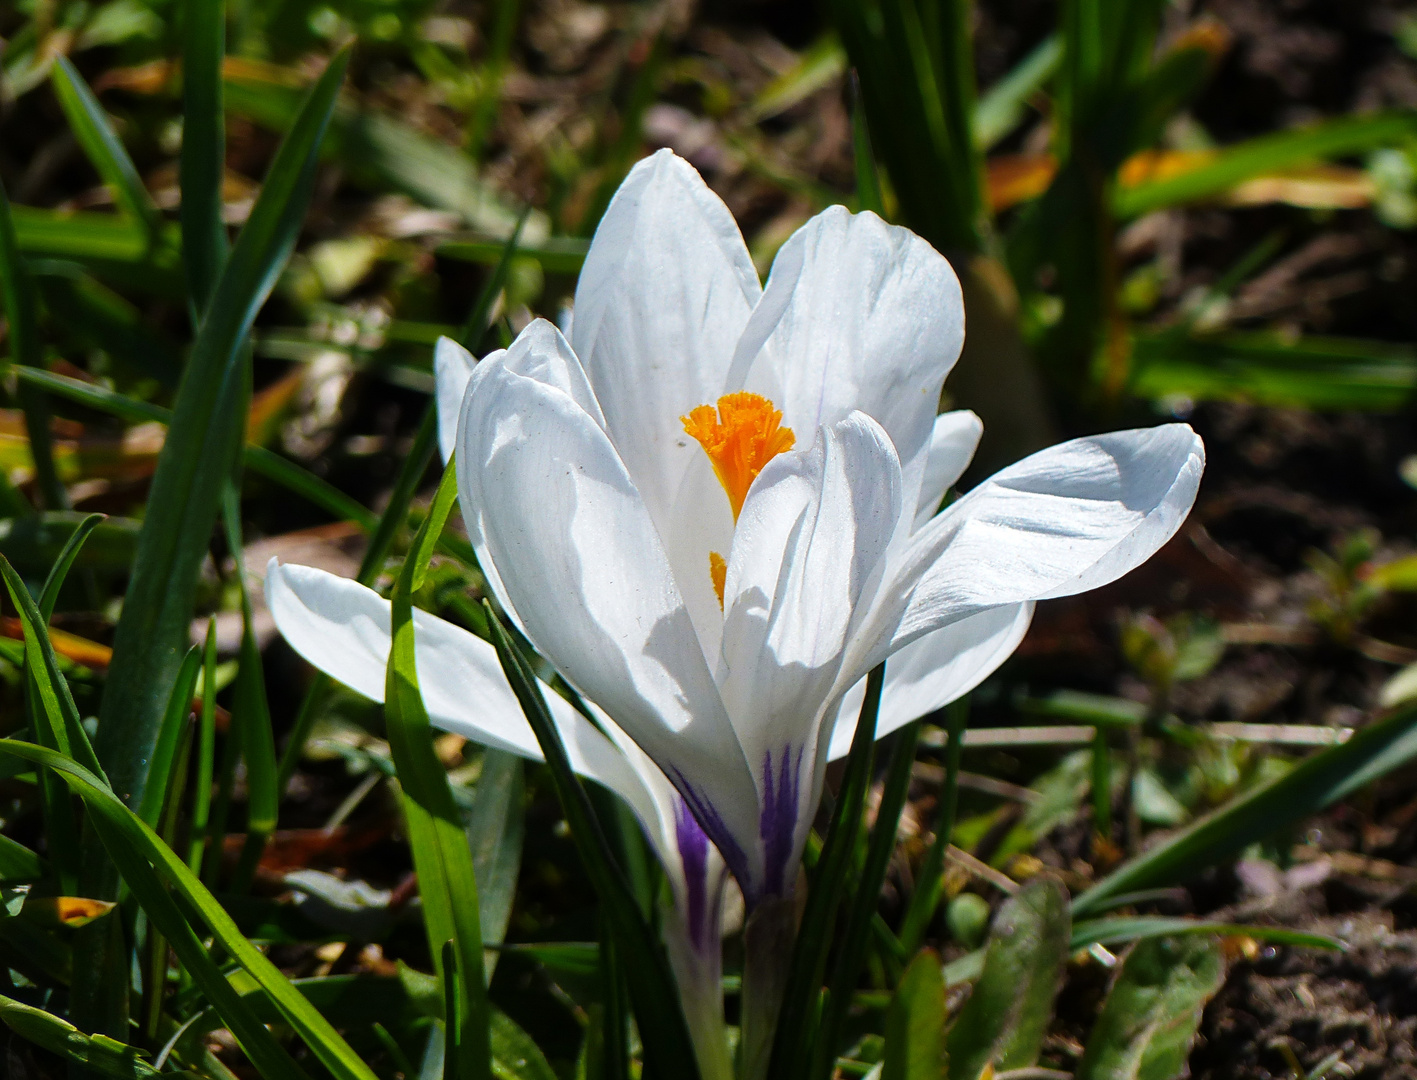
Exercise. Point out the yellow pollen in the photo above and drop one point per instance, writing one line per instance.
(740, 438)
(718, 572)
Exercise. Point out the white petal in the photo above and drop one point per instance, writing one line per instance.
(953, 441)
(665, 292)
(1062, 521)
(551, 506)
(810, 544)
(857, 314)
(342, 628)
(452, 368)
(935, 670)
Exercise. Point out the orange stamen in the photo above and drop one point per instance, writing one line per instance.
(743, 436)
(718, 572)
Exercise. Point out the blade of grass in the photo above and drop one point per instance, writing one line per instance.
(791, 1042)
(22, 317)
(494, 66)
(94, 130)
(930, 880)
(1318, 782)
(441, 856)
(1003, 106)
(251, 717)
(203, 163)
(179, 707)
(1233, 165)
(663, 1031)
(197, 456)
(865, 899)
(144, 861)
(206, 753)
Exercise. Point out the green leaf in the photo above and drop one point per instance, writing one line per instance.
(1342, 137)
(251, 717)
(864, 901)
(1006, 1016)
(203, 163)
(1270, 369)
(915, 1023)
(557, 254)
(198, 454)
(441, 856)
(98, 1053)
(104, 149)
(18, 864)
(791, 1043)
(144, 862)
(1151, 1014)
(83, 309)
(1323, 779)
(515, 1055)
(206, 752)
(22, 316)
(1134, 928)
(930, 882)
(663, 1031)
(916, 68)
(49, 595)
(56, 704)
(174, 719)
(819, 65)
(1004, 106)
(495, 829)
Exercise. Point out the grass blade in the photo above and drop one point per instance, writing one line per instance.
(930, 881)
(144, 861)
(668, 1051)
(203, 163)
(1003, 107)
(792, 1040)
(104, 149)
(851, 953)
(441, 856)
(1233, 165)
(251, 718)
(1323, 779)
(22, 315)
(179, 707)
(197, 456)
(206, 752)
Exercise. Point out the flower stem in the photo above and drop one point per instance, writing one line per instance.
(768, 939)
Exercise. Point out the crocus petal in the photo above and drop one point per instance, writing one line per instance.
(452, 368)
(342, 628)
(935, 670)
(857, 314)
(1067, 519)
(810, 543)
(550, 504)
(953, 441)
(664, 295)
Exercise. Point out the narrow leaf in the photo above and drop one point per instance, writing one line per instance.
(915, 1023)
(441, 856)
(1151, 1014)
(1323, 779)
(198, 454)
(668, 1051)
(1004, 1020)
(94, 130)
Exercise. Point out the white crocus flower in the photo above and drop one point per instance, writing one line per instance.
(712, 510)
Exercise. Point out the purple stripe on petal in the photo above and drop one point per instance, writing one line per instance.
(778, 823)
(711, 822)
(693, 855)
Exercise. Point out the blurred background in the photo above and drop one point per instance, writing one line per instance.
(1201, 211)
